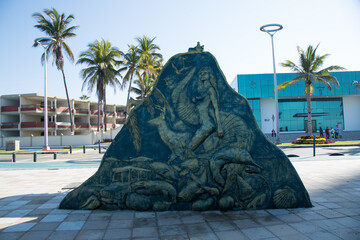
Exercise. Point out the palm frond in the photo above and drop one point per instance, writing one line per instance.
(288, 83)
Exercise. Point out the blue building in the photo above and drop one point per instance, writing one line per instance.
(340, 107)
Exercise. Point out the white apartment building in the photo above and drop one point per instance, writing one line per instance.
(23, 115)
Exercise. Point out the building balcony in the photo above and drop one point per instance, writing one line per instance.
(35, 108)
(63, 110)
(10, 125)
(81, 111)
(59, 125)
(9, 109)
(120, 114)
(82, 125)
(108, 126)
(36, 125)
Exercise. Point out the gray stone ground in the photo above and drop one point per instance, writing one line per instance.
(29, 199)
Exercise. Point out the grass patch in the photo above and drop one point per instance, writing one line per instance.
(327, 144)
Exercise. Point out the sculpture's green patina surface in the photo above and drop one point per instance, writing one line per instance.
(192, 144)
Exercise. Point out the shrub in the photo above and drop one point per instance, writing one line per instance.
(309, 140)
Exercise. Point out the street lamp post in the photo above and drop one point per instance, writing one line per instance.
(46, 134)
(271, 29)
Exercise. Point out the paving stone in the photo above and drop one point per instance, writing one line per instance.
(145, 214)
(192, 219)
(99, 216)
(144, 222)
(348, 222)
(282, 230)
(257, 233)
(306, 227)
(276, 212)
(323, 235)
(62, 235)
(327, 224)
(268, 220)
(119, 215)
(21, 227)
(222, 226)
(71, 225)
(298, 236)
(19, 213)
(231, 235)
(290, 218)
(246, 223)
(54, 218)
(145, 232)
(98, 225)
(90, 234)
(38, 235)
(197, 228)
(77, 217)
(203, 236)
(311, 216)
(43, 226)
(172, 230)
(236, 215)
(347, 233)
(117, 233)
(11, 235)
(120, 224)
(214, 216)
(175, 237)
(169, 221)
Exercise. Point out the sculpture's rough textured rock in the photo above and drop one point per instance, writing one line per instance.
(192, 144)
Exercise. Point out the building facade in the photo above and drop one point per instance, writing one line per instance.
(23, 115)
(341, 107)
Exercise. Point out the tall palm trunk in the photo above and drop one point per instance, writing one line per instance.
(98, 122)
(128, 97)
(104, 111)
(308, 101)
(68, 102)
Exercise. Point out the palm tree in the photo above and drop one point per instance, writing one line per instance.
(101, 59)
(310, 72)
(147, 50)
(84, 97)
(56, 26)
(131, 62)
(142, 61)
(143, 87)
(150, 71)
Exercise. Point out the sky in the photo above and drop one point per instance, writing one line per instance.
(229, 29)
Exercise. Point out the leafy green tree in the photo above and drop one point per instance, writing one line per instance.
(57, 28)
(101, 59)
(310, 71)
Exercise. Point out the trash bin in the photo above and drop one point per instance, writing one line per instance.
(13, 145)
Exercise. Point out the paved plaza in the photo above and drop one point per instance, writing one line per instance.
(29, 199)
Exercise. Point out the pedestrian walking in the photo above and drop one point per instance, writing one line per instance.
(327, 132)
(321, 132)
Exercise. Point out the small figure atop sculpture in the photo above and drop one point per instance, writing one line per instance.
(192, 144)
(198, 48)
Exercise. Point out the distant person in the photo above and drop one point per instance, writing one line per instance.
(332, 132)
(327, 132)
(273, 133)
(337, 131)
(321, 132)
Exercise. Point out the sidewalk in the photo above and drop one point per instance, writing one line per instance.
(29, 200)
